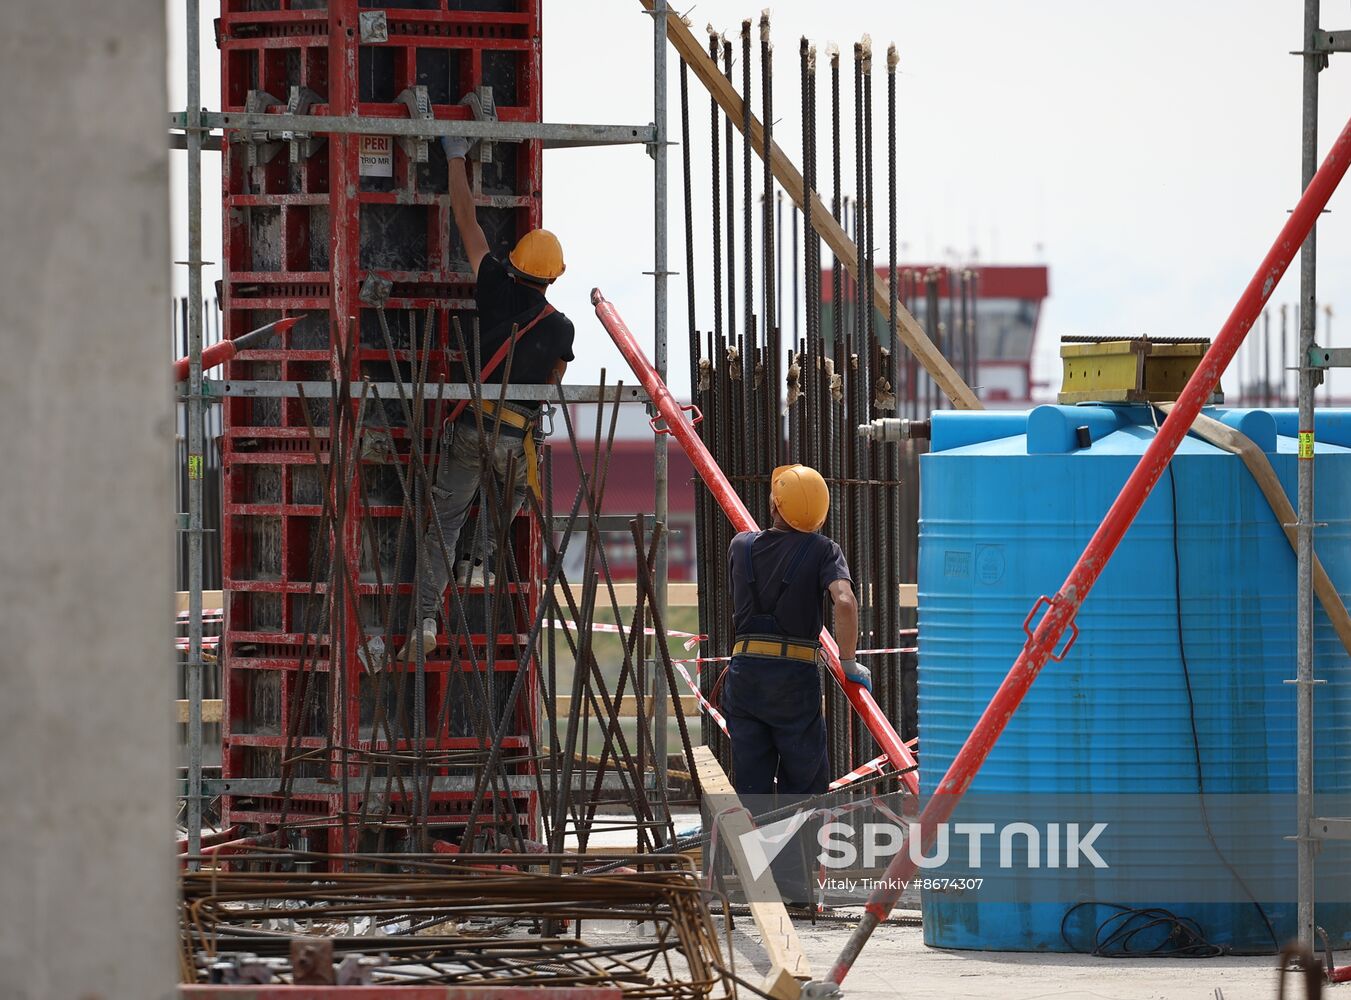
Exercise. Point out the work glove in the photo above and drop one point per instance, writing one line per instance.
(858, 673)
(456, 146)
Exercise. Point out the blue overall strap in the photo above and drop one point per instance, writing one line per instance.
(746, 547)
(794, 564)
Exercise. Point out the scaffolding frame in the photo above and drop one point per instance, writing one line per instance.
(196, 129)
(1311, 830)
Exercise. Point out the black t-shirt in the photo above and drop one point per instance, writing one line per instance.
(504, 303)
(800, 602)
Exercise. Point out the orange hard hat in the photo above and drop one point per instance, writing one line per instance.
(800, 495)
(538, 256)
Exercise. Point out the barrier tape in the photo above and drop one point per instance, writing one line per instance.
(691, 640)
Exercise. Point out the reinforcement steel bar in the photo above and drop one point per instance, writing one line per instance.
(672, 413)
(1041, 644)
(834, 235)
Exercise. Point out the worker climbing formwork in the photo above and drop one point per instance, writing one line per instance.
(516, 321)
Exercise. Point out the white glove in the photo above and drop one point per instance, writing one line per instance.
(858, 673)
(456, 146)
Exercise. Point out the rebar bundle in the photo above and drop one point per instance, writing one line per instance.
(469, 920)
(770, 395)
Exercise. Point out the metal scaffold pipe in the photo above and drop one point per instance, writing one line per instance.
(1306, 377)
(1041, 643)
(660, 11)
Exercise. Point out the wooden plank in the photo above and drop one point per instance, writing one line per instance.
(210, 599)
(628, 708)
(908, 328)
(1237, 443)
(788, 965)
(678, 595)
(212, 710)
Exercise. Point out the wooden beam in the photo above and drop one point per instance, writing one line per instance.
(788, 965)
(678, 595)
(210, 599)
(907, 327)
(1259, 466)
(212, 710)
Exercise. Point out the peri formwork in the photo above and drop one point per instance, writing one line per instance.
(308, 218)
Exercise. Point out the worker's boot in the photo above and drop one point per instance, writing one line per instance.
(469, 574)
(464, 566)
(427, 636)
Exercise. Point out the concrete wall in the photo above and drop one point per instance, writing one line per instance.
(86, 867)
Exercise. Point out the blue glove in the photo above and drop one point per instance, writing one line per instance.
(858, 673)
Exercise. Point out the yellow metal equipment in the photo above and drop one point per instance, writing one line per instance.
(1140, 370)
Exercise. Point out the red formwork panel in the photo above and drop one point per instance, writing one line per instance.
(305, 225)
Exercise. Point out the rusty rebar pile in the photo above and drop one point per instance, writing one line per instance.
(469, 920)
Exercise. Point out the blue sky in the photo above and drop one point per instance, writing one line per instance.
(1147, 153)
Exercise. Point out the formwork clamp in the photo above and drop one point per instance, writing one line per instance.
(419, 106)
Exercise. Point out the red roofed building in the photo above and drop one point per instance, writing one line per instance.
(1008, 308)
(628, 491)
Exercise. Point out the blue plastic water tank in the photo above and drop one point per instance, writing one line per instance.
(1007, 504)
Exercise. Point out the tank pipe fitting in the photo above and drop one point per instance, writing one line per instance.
(890, 430)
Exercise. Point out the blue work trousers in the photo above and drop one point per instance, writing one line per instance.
(773, 710)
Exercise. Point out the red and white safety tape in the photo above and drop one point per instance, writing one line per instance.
(691, 640)
(208, 614)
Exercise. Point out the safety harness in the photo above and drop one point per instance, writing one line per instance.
(512, 417)
(766, 637)
(766, 631)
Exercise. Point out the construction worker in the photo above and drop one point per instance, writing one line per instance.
(510, 297)
(771, 695)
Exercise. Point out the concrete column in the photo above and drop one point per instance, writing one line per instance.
(86, 498)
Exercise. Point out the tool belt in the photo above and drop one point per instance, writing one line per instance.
(775, 646)
(516, 423)
(764, 645)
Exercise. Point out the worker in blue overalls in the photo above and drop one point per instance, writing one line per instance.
(772, 692)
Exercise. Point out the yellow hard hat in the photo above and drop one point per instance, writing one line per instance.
(801, 496)
(538, 256)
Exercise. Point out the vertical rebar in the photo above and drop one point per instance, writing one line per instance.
(1307, 382)
(731, 204)
(797, 288)
(747, 193)
(892, 340)
(1266, 357)
(714, 157)
(769, 317)
(1282, 367)
(836, 285)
